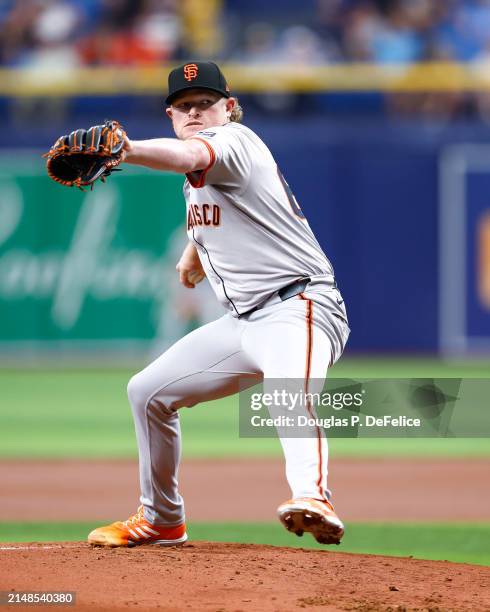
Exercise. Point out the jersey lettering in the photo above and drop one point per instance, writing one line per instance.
(246, 200)
(191, 221)
(197, 214)
(203, 214)
(216, 215)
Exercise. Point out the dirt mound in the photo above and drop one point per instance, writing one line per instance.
(206, 576)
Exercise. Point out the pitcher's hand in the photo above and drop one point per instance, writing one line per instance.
(189, 267)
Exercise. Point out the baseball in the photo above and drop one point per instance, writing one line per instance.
(195, 277)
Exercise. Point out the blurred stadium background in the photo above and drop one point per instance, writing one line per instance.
(378, 113)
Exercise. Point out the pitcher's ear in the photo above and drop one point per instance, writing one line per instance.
(230, 105)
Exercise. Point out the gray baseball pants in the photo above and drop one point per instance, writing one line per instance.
(297, 339)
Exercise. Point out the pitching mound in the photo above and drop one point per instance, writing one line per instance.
(206, 576)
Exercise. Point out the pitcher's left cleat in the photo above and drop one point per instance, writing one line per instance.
(137, 530)
(313, 516)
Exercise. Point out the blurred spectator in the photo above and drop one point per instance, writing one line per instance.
(64, 34)
(361, 24)
(395, 35)
(464, 29)
(16, 30)
(300, 45)
(52, 32)
(158, 29)
(395, 39)
(119, 13)
(259, 45)
(202, 32)
(149, 31)
(92, 32)
(132, 32)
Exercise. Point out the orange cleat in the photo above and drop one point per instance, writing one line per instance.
(137, 530)
(313, 516)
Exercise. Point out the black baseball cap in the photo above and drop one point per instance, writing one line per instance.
(204, 75)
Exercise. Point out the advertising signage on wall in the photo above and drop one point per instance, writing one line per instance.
(88, 267)
(464, 262)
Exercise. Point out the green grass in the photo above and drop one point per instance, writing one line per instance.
(464, 543)
(85, 413)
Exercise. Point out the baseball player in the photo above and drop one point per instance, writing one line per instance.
(285, 317)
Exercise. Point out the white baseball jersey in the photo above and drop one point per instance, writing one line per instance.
(253, 240)
(251, 235)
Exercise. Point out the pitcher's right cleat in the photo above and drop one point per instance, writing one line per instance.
(313, 516)
(137, 530)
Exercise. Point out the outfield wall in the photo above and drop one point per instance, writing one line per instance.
(400, 208)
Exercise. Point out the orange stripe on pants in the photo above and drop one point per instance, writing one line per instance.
(311, 412)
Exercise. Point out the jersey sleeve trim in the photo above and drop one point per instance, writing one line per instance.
(197, 179)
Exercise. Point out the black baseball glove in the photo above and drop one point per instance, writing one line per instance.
(84, 156)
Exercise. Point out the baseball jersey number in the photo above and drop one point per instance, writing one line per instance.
(292, 200)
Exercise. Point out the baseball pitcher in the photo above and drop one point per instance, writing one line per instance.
(285, 318)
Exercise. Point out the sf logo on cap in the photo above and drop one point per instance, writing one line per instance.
(190, 72)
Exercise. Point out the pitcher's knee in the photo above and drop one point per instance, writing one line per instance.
(138, 391)
(142, 393)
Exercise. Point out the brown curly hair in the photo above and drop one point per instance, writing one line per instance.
(237, 112)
